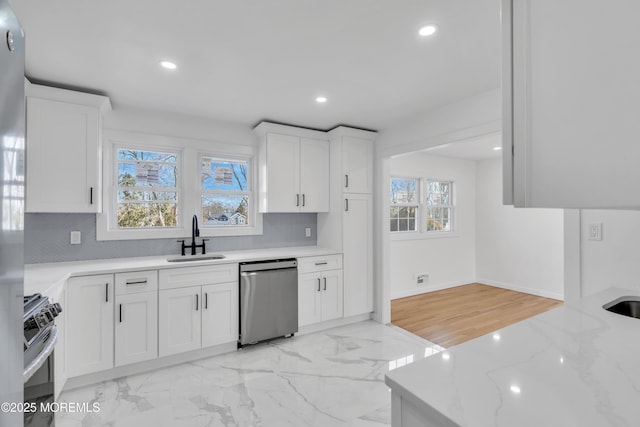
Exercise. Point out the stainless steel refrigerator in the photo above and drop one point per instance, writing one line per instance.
(12, 173)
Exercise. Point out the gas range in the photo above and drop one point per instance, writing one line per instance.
(40, 333)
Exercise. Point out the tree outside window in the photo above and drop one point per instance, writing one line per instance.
(404, 204)
(147, 195)
(225, 192)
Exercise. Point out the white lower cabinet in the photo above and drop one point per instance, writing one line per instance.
(89, 324)
(179, 320)
(197, 308)
(319, 296)
(136, 317)
(220, 314)
(136, 329)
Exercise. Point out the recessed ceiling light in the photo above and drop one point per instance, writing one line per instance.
(321, 99)
(168, 65)
(497, 148)
(428, 30)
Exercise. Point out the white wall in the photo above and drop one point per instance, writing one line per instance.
(176, 125)
(615, 260)
(450, 260)
(519, 249)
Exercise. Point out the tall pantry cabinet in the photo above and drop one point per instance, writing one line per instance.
(348, 226)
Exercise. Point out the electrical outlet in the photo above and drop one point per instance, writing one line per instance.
(422, 278)
(595, 231)
(307, 231)
(75, 238)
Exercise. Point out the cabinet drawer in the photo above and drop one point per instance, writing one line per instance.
(319, 263)
(134, 282)
(172, 278)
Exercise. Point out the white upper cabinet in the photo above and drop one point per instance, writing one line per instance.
(63, 138)
(294, 169)
(357, 165)
(571, 90)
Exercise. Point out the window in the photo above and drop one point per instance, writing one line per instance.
(12, 184)
(154, 184)
(439, 205)
(147, 193)
(421, 205)
(404, 204)
(226, 195)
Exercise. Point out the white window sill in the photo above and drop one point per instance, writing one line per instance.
(416, 235)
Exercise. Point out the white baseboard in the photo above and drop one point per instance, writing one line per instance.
(403, 293)
(511, 287)
(303, 330)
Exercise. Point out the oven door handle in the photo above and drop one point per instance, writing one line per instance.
(41, 358)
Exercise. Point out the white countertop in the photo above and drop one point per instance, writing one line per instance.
(49, 278)
(577, 365)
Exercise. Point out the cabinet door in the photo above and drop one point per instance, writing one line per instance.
(314, 175)
(332, 295)
(357, 165)
(89, 324)
(220, 313)
(136, 327)
(574, 103)
(179, 320)
(309, 298)
(283, 173)
(63, 167)
(358, 254)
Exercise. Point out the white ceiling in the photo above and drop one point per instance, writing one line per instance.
(249, 60)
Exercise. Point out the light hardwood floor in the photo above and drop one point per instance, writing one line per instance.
(453, 316)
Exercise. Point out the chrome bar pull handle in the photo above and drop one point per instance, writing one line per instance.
(206, 300)
(120, 313)
(346, 205)
(325, 283)
(297, 200)
(106, 292)
(197, 300)
(346, 181)
(318, 284)
(303, 199)
(90, 195)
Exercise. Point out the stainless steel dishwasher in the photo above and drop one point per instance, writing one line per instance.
(268, 300)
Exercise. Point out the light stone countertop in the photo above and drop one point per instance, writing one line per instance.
(49, 278)
(577, 365)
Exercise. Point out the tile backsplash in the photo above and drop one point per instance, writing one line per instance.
(47, 238)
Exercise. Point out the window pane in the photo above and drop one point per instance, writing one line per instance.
(143, 215)
(145, 174)
(403, 225)
(131, 154)
(393, 225)
(412, 225)
(133, 195)
(221, 210)
(403, 190)
(394, 212)
(224, 175)
(142, 176)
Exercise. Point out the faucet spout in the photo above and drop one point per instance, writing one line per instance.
(195, 231)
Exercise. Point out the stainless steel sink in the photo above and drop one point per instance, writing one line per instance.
(188, 258)
(626, 306)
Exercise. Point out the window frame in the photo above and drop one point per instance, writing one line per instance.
(250, 192)
(422, 232)
(415, 204)
(116, 187)
(190, 152)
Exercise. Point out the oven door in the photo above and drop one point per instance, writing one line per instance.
(39, 385)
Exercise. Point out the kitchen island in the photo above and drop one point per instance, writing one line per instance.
(578, 365)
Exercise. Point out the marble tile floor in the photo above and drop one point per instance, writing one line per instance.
(329, 378)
